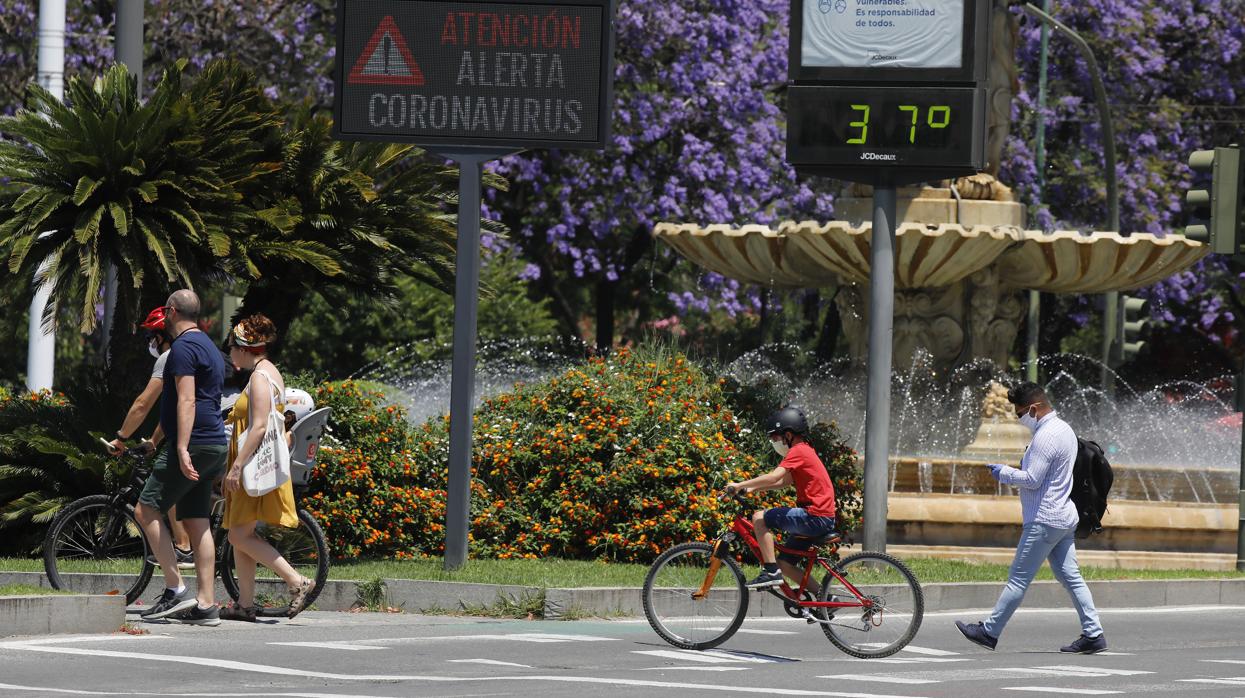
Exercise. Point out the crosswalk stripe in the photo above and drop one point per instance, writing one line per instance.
(687, 656)
(876, 677)
(348, 646)
(1056, 689)
(929, 650)
(1051, 672)
(1224, 661)
(915, 660)
(493, 662)
(696, 668)
(750, 631)
(1097, 670)
(1228, 681)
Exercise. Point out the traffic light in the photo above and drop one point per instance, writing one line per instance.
(1136, 326)
(1221, 205)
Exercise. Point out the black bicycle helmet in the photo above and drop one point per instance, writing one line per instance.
(787, 419)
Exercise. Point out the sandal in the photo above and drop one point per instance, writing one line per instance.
(299, 596)
(242, 613)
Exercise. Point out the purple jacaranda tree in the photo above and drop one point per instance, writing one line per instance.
(289, 44)
(1175, 80)
(698, 136)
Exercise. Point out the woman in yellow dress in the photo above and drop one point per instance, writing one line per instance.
(248, 349)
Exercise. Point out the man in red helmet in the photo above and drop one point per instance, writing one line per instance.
(158, 344)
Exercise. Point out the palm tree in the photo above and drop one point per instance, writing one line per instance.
(364, 213)
(153, 187)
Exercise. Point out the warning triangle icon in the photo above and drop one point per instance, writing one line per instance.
(386, 60)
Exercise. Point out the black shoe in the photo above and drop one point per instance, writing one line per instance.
(198, 616)
(977, 634)
(168, 604)
(1086, 645)
(185, 559)
(766, 580)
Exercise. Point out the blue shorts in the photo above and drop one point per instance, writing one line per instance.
(795, 521)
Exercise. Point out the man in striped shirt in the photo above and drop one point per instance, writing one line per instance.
(1050, 519)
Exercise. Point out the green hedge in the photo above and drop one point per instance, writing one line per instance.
(616, 459)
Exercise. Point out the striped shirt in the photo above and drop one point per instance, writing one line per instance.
(1045, 475)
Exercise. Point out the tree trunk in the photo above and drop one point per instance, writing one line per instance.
(605, 315)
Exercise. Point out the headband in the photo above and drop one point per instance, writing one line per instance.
(241, 340)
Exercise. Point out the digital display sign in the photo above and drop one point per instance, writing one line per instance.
(481, 74)
(885, 127)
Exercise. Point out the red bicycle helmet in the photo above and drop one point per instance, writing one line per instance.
(155, 320)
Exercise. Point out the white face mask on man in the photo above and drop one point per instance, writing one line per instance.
(153, 348)
(1029, 419)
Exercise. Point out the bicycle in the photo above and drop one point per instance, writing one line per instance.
(100, 533)
(870, 605)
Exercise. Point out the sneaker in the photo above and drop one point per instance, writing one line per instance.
(169, 603)
(299, 596)
(765, 580)
(976, 633)
(199, 616)
(185, 559)
(1086, 645)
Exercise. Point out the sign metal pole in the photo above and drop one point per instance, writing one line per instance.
(462, 379)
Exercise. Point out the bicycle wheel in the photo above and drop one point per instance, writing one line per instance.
(887, 627)
(304, 548)
(679, 617)
(101, 545)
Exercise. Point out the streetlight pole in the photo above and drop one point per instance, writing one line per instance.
(41, 341)
(1039, 157)
(881, 348)
(128, 51)
(1110, 325)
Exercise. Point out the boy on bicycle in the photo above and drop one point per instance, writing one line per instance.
(813, 515)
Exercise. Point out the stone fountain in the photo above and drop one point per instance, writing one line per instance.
(963, 264)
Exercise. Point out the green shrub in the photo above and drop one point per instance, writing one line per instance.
(47, 459)
(616, 459)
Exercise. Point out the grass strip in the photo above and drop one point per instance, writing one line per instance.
(28, 590)
(578, 573)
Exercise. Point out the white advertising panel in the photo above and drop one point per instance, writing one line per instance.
(882, 34)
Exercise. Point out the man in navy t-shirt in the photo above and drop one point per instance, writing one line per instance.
(194, 457)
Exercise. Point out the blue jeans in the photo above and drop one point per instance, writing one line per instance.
(1040, 542)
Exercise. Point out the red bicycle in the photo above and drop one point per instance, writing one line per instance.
(869, 604)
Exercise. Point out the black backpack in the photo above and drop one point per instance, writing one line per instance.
(1091, 482)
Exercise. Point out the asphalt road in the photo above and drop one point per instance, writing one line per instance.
(1193, 652)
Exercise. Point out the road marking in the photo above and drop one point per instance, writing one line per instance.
(750, 631)
(66, 639)
(1054, 689)
(488, 661)
(929, 650)
(81, 692)
(912, 660)
(1224, 661)
(349, 646)
(1228, 681)
(696, 668)
(288, 672)
(693, 656)
(1102, 671)
(1109, 653)
(1078, 672)
(875, 677)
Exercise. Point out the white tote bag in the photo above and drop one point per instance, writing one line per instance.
(269, 468)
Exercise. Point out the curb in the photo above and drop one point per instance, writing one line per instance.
(57, 614)
(417, 596)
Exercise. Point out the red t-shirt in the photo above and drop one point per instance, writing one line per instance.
(813, 490)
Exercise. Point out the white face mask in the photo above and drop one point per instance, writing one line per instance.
(1029, 420)
(154, 349)
(780, 448)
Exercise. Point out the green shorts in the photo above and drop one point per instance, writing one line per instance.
(166, 486)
